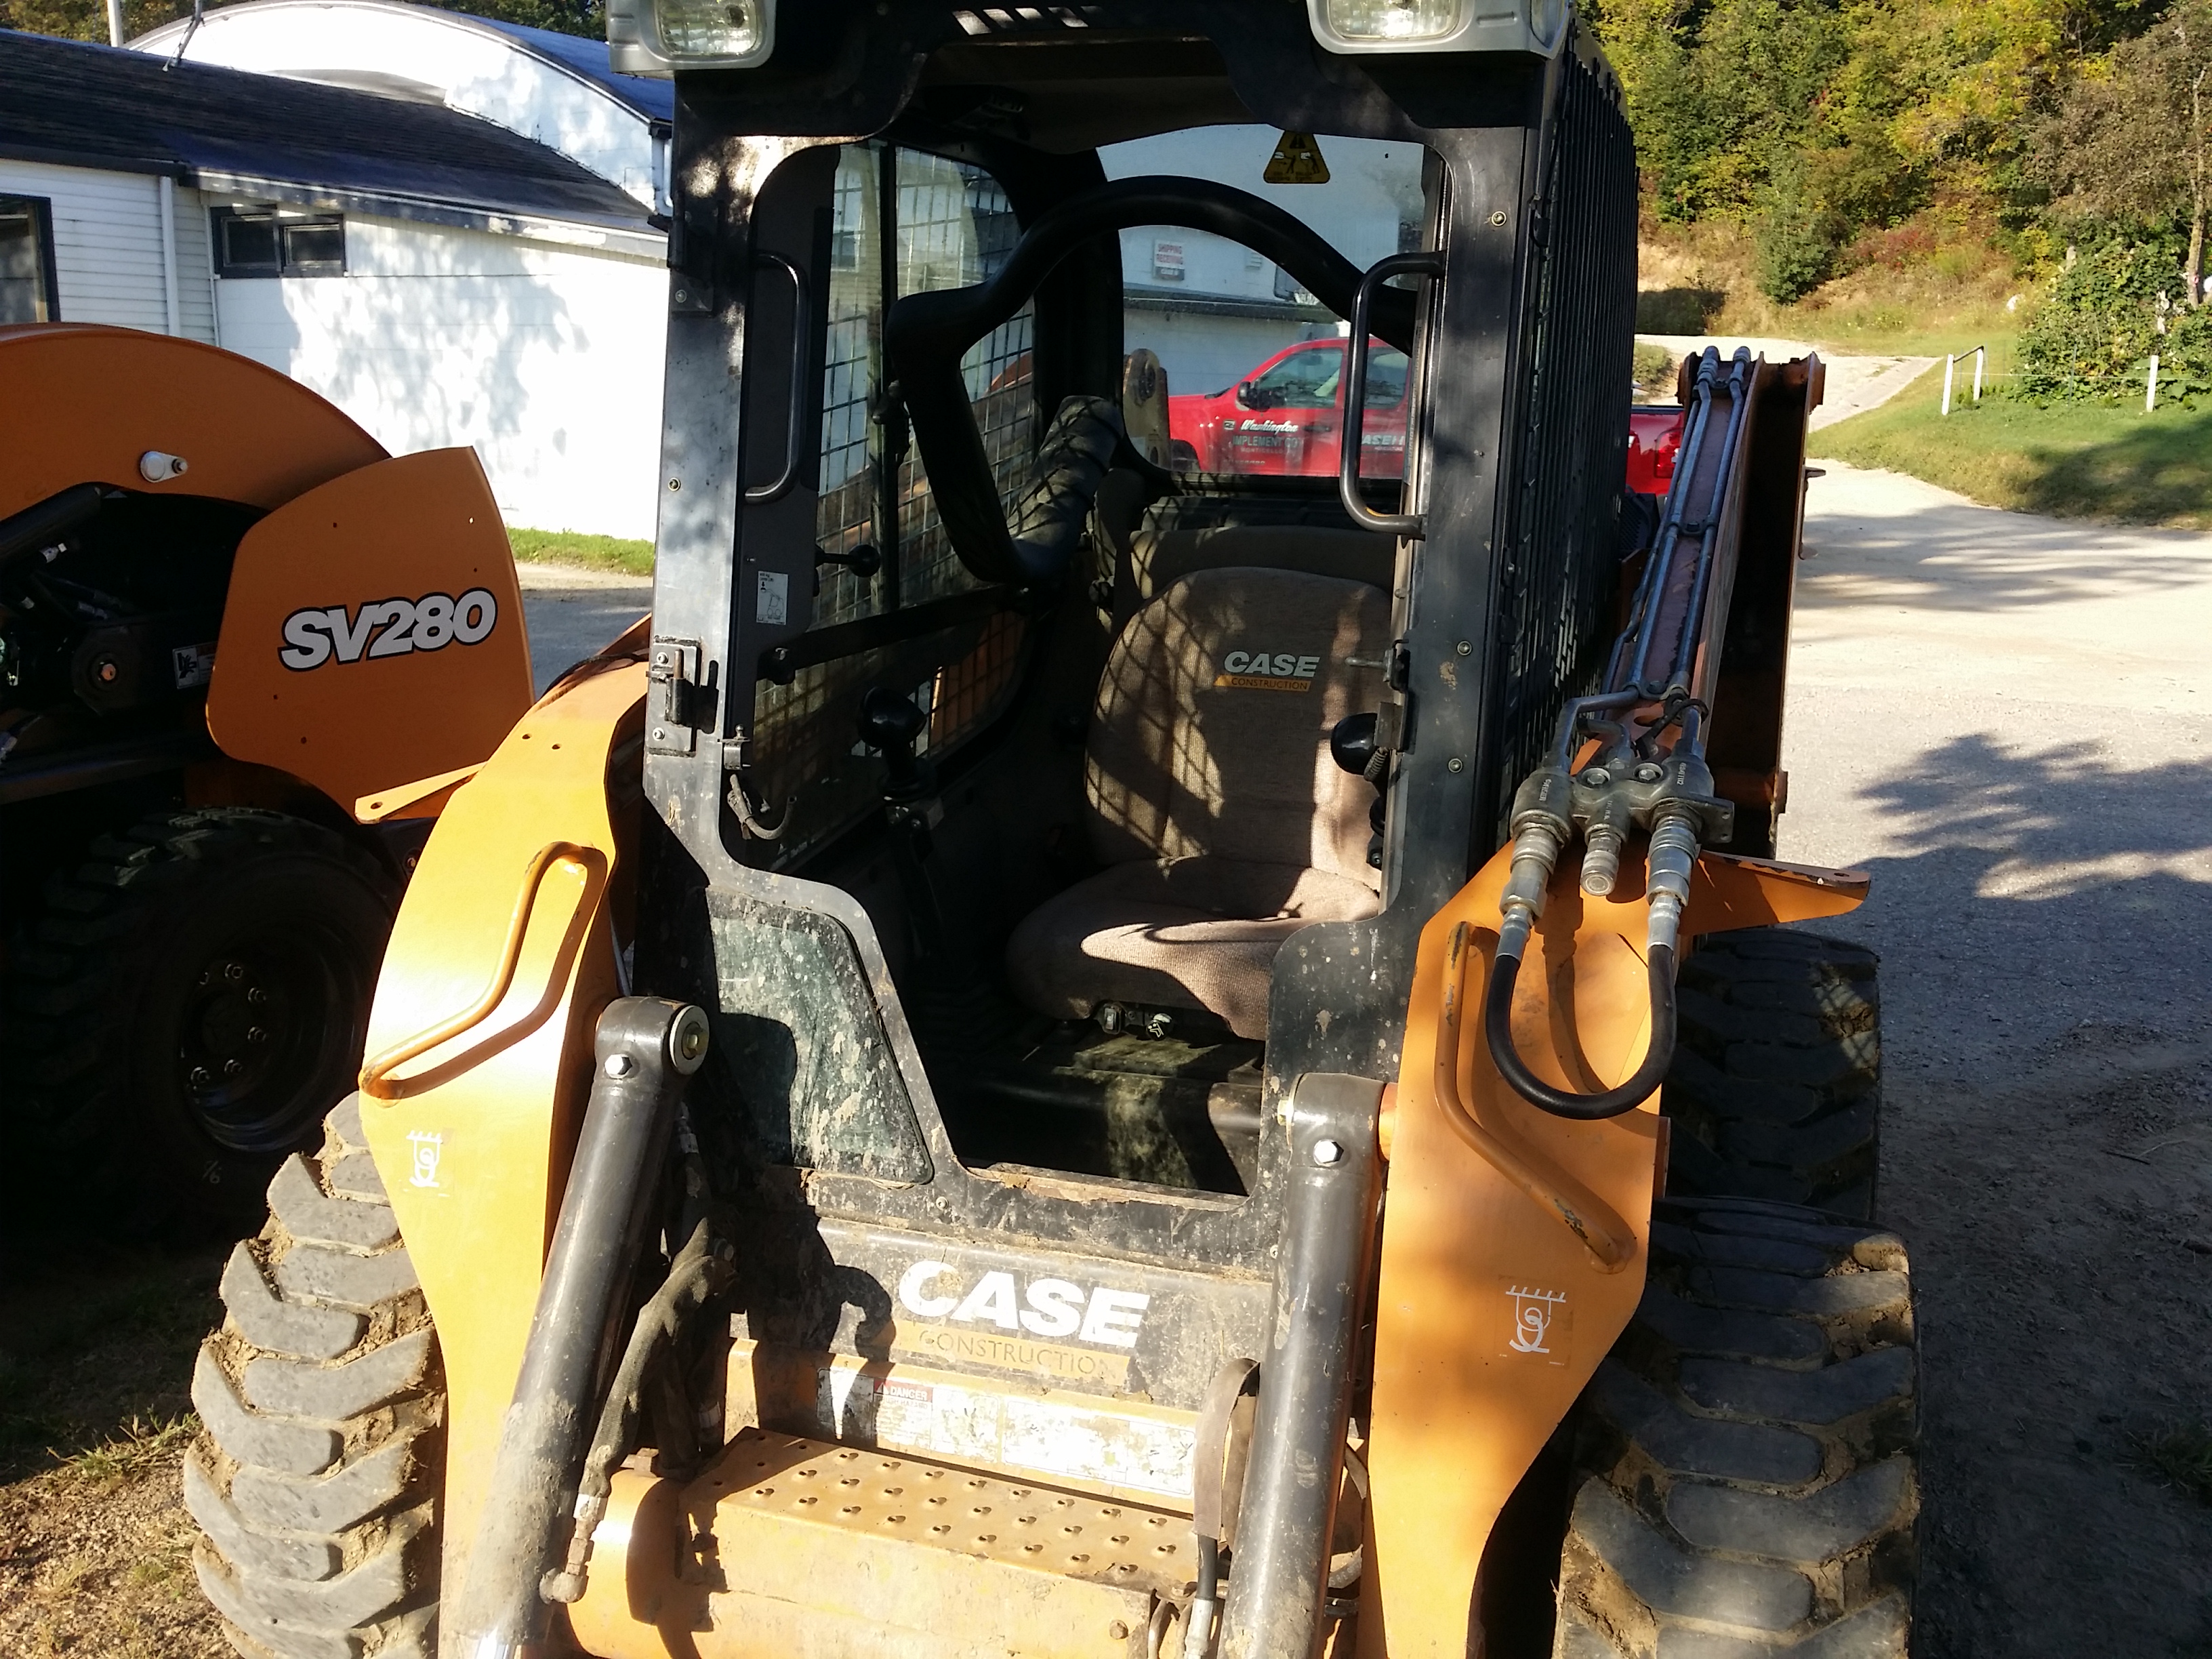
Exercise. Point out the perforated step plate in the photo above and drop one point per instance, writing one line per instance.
(796, 1543)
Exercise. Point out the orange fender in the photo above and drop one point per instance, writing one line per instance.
(508, 918)
(373, 634)
(84, 402)
(1513, 1244)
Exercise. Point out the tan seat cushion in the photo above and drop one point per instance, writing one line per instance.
(1194, 932)
(1210, 733)
(1226, 825)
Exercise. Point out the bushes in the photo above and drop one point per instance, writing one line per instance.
(2093, 338)
(1798, 234)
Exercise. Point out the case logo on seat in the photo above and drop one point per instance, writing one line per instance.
(1262, 670)
(385, 628)
(1047, 1307)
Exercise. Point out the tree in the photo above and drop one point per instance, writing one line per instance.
(2131, 141)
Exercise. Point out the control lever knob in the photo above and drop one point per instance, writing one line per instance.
(1352, 742)
(890, 724)
(1351, 746)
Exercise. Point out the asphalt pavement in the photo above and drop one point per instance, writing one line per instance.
(2006, 720)
(572, 613)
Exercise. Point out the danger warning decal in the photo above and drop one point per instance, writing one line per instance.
(385, 628)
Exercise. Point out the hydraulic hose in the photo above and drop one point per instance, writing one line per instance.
(1672, 856)
(1497, 1030)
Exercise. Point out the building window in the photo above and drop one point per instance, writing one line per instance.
(26, 260)
(270, 242)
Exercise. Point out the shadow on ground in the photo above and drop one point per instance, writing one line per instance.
(2159, 472)
(2043, 921)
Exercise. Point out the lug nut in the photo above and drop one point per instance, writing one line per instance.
(234, 972)
(1327, 1152)
(257, 996)
(256, 1035)
(232, 1068)
(202, 1077)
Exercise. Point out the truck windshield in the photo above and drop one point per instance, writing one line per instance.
(1253, 363)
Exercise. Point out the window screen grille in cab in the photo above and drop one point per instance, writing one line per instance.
(1556, 577)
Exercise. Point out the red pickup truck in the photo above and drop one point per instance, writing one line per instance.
(1287, 414)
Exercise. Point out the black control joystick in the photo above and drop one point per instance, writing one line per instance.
(889, 724)
(1352, 746)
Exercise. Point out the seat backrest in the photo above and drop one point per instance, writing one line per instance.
(1209, 732)
(1154, 544)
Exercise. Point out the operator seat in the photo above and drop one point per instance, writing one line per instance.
(1211, 798)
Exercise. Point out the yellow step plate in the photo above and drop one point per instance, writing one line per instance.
(806, 1549)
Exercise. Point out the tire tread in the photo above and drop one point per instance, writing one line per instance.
(314, 1477)
(1741, 1496)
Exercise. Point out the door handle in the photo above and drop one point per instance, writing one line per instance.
(1414, 524)
(802, 354)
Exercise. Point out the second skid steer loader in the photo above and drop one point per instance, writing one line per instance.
(1069, 1061)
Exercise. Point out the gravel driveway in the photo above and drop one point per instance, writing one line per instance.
(2006, 720)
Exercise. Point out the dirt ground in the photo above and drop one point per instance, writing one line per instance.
(2006, 720)
(95, 1363)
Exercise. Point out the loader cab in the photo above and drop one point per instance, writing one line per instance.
(1097, 796)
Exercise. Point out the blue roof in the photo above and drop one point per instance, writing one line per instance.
(76, 103)
(651, 98)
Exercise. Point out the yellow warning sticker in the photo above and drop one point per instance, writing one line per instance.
(1297, 160)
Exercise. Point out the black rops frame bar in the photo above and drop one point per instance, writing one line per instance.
(751, 156)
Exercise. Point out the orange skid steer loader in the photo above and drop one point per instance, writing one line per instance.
(245, 655)
(1081, 1058)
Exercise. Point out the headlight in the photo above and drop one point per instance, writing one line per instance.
(1364, 21)
(1364, 26)
(656, 36)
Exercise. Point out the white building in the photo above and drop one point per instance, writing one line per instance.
(1212, 310)
(445, 276)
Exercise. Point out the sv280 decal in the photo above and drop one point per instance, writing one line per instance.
(385, 628)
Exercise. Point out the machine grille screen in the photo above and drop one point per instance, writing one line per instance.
(1558, 580)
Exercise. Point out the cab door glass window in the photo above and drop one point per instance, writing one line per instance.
(26, 260)
(902, 222)
(1254, 363)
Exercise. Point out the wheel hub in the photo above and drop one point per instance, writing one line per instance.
(254, 1022)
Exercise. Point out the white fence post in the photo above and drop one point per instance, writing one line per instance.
(1951, 365)
(2150, 391)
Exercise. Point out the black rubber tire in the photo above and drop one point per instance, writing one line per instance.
(315, 1476)
(156, 959)
(1776, 1088)
(1745, 1478)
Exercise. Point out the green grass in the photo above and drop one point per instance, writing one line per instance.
(573, 547)
(2070, 460)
